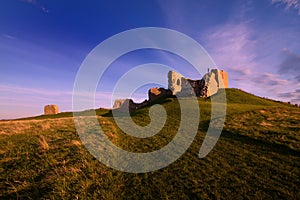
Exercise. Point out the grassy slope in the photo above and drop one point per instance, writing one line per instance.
(100, 111)
(257, 156)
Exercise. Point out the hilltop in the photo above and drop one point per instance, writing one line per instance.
(257, 155)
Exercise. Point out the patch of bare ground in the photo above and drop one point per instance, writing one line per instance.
(263, 123)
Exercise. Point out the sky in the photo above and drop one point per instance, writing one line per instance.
(44, 42)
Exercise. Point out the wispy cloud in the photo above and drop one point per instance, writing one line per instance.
(238, 49)
(32, 91)
(233, 49)
(8, 91)
(8, 36)
(289, 4)
(275, 87)
(294, 97)
(16, 101)
(231, 45)
(37, 4)
(269, 79)
(290, 64)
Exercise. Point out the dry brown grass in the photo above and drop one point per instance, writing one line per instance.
(76, 143)
(27, 126)
(43, 142)
(263, 123)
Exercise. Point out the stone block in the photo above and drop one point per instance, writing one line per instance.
(50, 109)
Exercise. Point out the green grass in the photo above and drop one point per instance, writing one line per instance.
(256, 157)
(100, 111)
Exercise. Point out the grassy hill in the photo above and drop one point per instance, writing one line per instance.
(256, 157)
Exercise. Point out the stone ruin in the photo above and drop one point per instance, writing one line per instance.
(205, 87)
(153, 94)
(179, 85)
(50, 109)
(125, 104)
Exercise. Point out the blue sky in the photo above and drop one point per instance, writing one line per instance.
(44, 42)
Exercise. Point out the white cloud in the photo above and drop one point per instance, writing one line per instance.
(231, 45)
(232, 48)
(37, 4)
(289, 4)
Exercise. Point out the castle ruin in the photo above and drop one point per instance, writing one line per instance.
(205, 87)
(179, 85)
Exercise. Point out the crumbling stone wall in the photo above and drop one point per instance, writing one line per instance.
(175, 82)
(205, 87)
(221, 78)
(211, 85)
(197, 86)
(128, 105)
(118, 103)
(155, 93)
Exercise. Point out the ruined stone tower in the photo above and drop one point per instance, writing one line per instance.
(50, 109)
(205, 87)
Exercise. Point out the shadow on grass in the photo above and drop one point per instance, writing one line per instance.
(263, 144)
